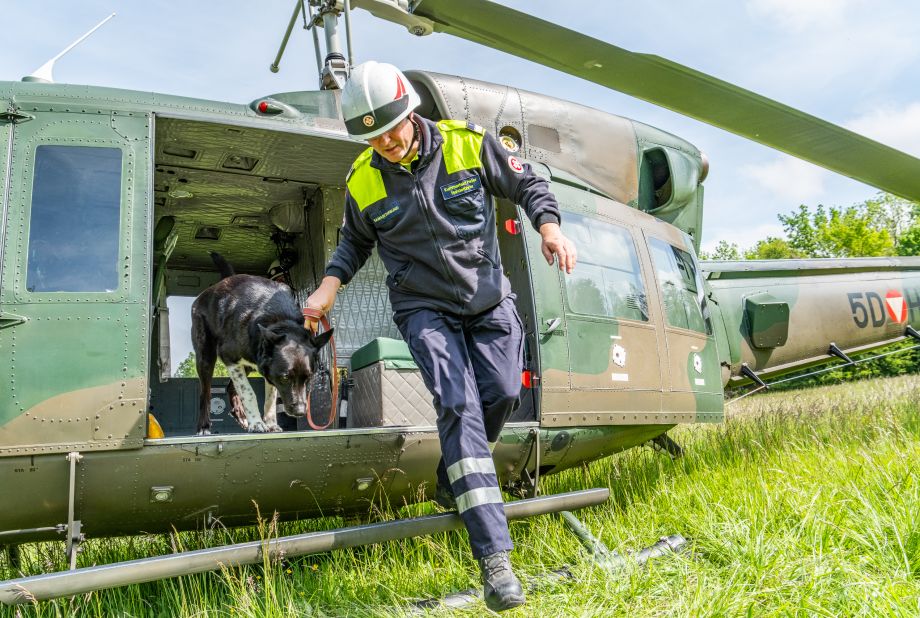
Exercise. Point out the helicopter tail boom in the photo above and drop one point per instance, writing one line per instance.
(783, 315)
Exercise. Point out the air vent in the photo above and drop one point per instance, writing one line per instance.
(239, 162)
(207, 233)
(546, 138)
(247, 220)
(177, 151)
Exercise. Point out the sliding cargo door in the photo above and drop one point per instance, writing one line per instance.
(74, 296)
(694, 380)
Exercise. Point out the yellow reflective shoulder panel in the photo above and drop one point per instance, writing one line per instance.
(462, 145)
(365, 183)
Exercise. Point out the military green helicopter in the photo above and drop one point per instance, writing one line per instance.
(112, 201)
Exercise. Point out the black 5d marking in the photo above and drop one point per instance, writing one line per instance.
(872, 309)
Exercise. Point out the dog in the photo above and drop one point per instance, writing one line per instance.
(253, 323)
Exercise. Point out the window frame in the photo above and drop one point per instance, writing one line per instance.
(121, 291)
(701, 297)
(643, 278)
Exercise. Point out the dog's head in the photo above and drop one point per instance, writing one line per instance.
(288, 355)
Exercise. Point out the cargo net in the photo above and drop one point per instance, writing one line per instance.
(362, 310)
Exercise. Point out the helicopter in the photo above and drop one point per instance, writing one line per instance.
(113, 200)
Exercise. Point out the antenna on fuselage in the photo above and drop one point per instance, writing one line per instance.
(43, 73)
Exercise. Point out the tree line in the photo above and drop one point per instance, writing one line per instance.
(883, 225)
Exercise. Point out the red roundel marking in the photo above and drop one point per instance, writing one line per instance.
(516, 166)
(896, 306)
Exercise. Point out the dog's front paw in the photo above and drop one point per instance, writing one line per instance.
(204, 432)
(274, 428)
(259, 427)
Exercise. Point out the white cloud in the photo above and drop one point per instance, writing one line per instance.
(788, 179)
(815, 47)
(896, 127)
(798, 14)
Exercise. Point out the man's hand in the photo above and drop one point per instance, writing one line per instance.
(324, 296)
(556, 245)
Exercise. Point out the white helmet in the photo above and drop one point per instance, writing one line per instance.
(275, 272)
(375, 98)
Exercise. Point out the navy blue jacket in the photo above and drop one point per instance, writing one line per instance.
(435, 226)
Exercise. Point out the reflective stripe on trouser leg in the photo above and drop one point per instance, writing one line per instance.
(440, 349)
(474, 470)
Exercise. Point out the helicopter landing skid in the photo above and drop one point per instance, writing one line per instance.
(99, 577)
(610, 561)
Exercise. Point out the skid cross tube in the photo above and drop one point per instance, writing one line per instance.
(88, 579)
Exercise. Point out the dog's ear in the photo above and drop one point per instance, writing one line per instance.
(269, 335)
(321, 339)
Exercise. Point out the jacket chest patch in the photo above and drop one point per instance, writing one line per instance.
(460, 187)
(385, 212)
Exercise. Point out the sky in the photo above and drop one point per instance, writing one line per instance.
(855, 63)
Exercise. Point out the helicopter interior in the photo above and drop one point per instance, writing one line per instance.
(262, 198)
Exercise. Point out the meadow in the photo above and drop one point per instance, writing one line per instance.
(803, 503)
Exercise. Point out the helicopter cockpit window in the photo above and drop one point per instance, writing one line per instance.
(607, 281)
(682, 287)
(74, 224)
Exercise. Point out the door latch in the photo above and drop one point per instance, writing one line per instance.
(551, 325)
(14, 116)
(8, 319)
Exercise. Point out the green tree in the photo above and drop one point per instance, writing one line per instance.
(772, 248)
(909, 242)
(723, 251)
(186, 368)
(853, 231)
(895, 214)
(803, 234)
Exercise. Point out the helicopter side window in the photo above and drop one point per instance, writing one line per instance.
(74, 225)
(682, 287)
(607, 281)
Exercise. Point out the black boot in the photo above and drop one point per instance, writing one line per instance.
(443, 494)
(501, 587)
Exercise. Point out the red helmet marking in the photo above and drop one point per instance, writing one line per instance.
(400, 89)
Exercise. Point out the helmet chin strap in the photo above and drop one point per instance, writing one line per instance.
(415, 136)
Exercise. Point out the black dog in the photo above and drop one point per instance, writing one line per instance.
(251, 322)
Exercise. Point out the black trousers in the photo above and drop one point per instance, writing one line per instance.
(472, 366)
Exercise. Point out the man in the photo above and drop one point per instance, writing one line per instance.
(419, 194)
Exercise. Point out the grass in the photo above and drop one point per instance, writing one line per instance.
(801, 504)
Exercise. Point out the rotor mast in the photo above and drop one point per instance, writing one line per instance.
(333, 70)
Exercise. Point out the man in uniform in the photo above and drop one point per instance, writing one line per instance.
(421, 194)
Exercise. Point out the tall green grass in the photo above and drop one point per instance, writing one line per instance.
(801, 504)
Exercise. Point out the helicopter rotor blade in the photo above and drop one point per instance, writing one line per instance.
(681, 89)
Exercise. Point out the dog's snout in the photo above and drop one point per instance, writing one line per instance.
(296, 409)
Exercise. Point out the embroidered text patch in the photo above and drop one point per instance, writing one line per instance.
(461, 187)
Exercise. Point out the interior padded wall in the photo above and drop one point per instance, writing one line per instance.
(362, 309)
(311, 254)
(164, 359)
(221, 192)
